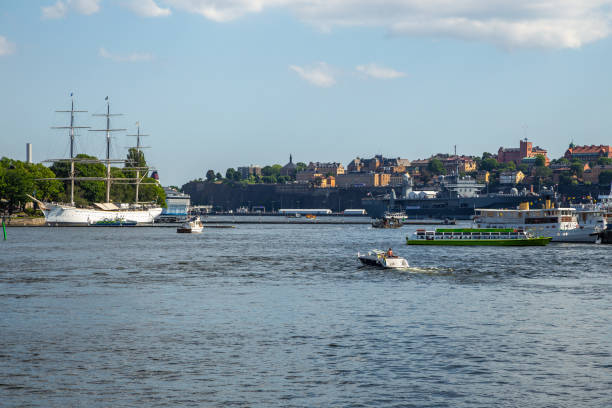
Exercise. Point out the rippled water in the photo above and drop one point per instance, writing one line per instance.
(283, 315)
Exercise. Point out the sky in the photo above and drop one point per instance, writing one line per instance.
(220, 84)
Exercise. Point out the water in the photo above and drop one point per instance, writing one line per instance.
(283, 315)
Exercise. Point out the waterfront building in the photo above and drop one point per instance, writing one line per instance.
(308, 176)
(465, 164)
(363, 179)
(587, 153)
(592, 174)
(177, 205)
(511, 177)
(289, 169)
(378, 164)
(516, 155)
(247, 171)
(331, 169)
(397, 179)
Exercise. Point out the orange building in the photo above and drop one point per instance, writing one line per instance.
(587, 153)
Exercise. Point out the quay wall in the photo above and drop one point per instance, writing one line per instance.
(276, 196)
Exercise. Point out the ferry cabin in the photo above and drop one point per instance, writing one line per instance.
(542, 222)
(470, 234)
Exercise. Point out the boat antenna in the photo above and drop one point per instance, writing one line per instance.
(108, 132)
(71, 135)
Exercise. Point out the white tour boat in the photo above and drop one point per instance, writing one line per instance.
(561, 224)
(376, 257)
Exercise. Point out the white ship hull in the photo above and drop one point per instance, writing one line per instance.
(68, 215)
(578, 234)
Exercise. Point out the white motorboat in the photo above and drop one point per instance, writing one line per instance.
(379, 258)
(193, 226)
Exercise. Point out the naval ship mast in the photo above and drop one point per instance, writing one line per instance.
(71, 133)
(108, 132)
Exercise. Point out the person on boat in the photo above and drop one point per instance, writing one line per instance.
(390, 253)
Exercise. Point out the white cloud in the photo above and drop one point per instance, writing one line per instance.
(507, 23)
(61, 8)
(319, 74)
(6, 47)
(86, 7)
(58, 10)
(148, 8)
(135, 57)
(224, 10)
(378, 72)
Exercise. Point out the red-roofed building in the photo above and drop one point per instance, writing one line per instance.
(526, 150)
(587, 153)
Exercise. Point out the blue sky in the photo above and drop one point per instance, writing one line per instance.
(222, 84)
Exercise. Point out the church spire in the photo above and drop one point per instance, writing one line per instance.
(290, 158)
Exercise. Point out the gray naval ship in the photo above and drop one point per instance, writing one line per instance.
(456, 198)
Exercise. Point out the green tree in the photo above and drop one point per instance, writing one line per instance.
(210, 176)
(85, 191)
(436, 167)
(219, 176)
(300, 166)
(605, 177)
(229, 173)
(273, 170)
(543, 173)
(489, 164)
(151, 191)
(17, 183)
(603, 161)
(540, 160)
(135, 158)
(523, 167)
(577, 168)
(565, 178)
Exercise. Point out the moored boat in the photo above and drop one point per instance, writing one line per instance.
(113, 222)
(476, 236)
(386, 223)
(193, 226)
(560, 224)
(66, 214)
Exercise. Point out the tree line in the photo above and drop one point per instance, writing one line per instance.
(19, 179)
(269, 175)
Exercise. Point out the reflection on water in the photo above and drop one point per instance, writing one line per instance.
(285, 315)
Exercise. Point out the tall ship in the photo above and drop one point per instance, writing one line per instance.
(68, 213)
(458, 198)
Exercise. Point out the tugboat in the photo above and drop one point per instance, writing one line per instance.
(193, 226)
(382, 259)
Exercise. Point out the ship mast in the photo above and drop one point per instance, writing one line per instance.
(71, 133)
(138, 146)
(108, 132)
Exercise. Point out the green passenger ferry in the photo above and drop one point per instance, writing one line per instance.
(476, 236)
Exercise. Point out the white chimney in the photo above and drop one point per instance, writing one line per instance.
(29, 152)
